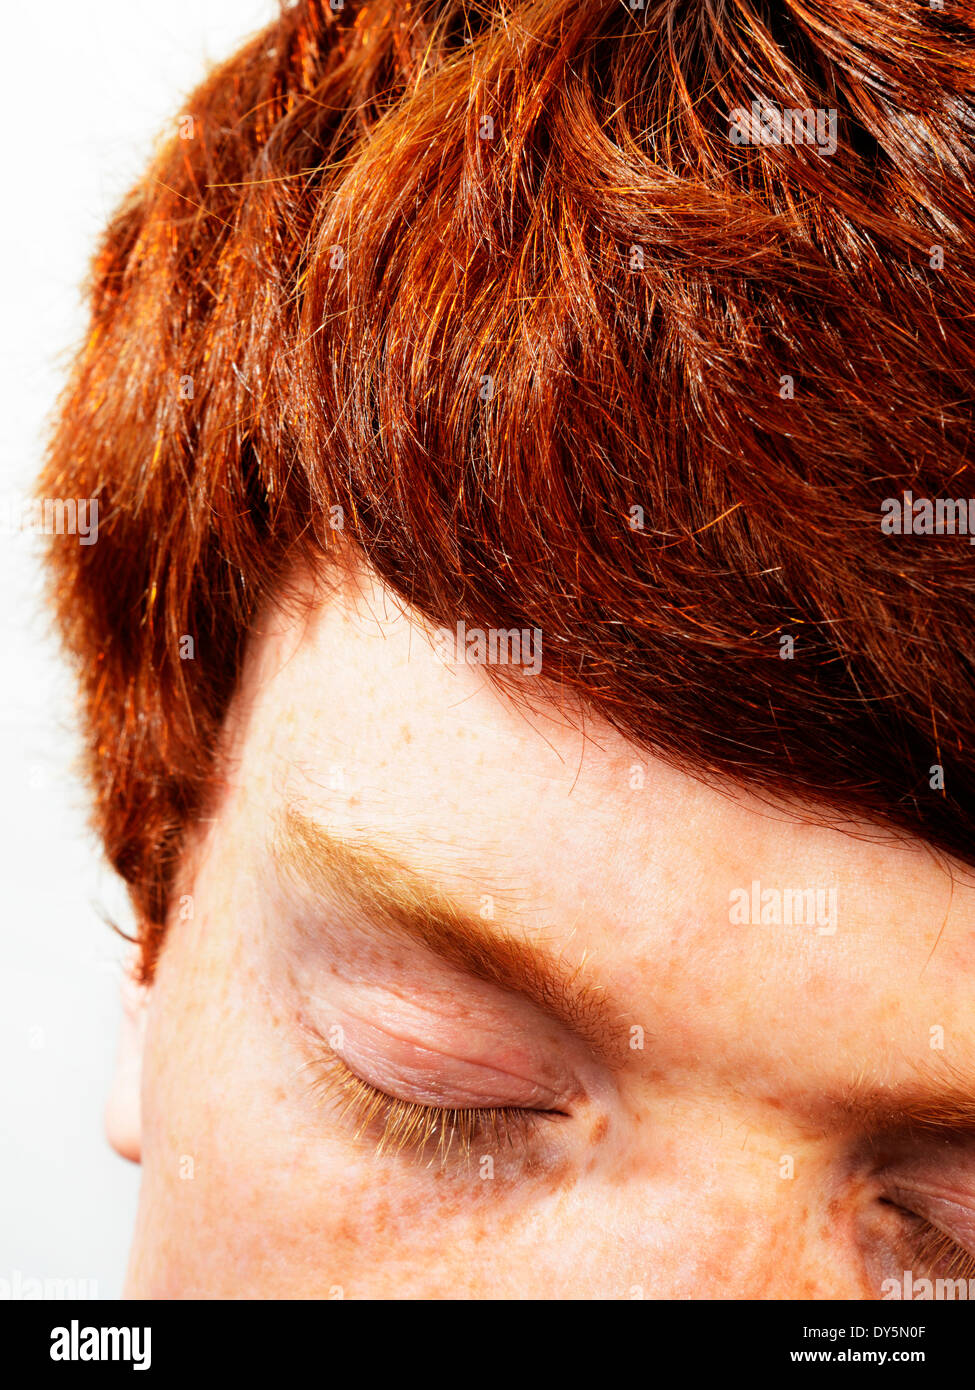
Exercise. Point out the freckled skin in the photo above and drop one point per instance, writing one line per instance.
(599, 1128)
(666, 1174)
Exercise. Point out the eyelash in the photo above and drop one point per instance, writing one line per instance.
(934, 1251)
(403, 1126)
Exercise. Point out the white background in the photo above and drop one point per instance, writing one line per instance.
(86, 89)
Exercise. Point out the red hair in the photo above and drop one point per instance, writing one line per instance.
(493, 279)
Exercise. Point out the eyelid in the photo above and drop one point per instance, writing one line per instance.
(953, 1217)
(432, 1076)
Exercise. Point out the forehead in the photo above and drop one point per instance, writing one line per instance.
(718, 921)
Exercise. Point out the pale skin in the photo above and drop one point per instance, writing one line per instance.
(695, 1136)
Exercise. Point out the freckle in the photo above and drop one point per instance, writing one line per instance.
(599, 1129)
(550, 1176)
(343, 1231)
(405, 734)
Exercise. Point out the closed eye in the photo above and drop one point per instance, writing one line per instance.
(929, 1250)
(439, 1133)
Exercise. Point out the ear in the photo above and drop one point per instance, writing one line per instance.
(123, 1112)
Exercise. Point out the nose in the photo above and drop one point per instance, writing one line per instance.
(724, 1209)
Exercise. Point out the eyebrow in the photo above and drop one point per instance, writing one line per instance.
(375, 885)
(932, 1103)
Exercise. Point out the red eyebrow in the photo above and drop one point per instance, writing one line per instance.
(934, 1099)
